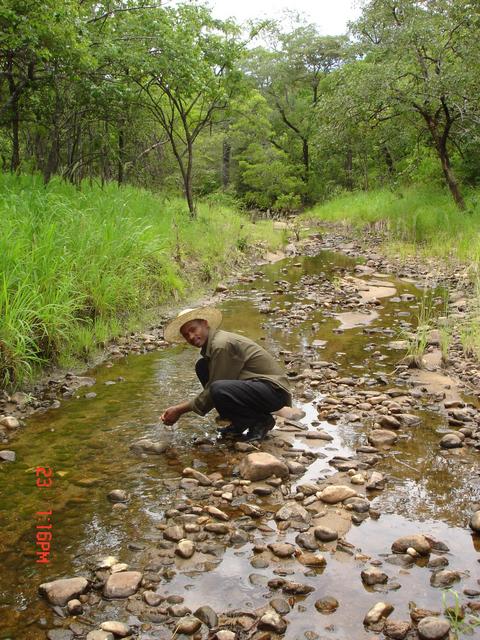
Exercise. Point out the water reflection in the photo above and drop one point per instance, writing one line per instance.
(87, 443)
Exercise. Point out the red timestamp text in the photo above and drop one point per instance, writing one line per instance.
(43, 528)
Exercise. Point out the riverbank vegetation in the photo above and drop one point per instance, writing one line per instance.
(78, 267)
(275, 113)
(381, 123)
(420, 219)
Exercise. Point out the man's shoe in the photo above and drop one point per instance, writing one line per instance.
(259, 431)
(256, 433)
(231, 431)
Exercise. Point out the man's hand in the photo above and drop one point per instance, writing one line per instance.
(172, 414)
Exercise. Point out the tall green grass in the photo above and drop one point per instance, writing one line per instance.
(418, 220)
(77, 265)
(421, 218)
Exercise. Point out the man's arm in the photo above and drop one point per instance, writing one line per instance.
(172, 414)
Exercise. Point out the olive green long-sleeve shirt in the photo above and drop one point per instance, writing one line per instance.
(234, 357)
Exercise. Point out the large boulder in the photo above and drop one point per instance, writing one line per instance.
(378, 612)
(451, 441)
(293, 511)
(433, 628)
(418, 542)
(260, 466)
(382, 438)
(122, 584)
(336, 493)
(59, 592)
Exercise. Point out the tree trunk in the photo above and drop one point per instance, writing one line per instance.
(15, 117)
(440, 142)
(306, 158)
(227, 148)
(188, 183)
(15, 163)
(51, 166)
(450, 178)
(388, 160)
(349, 170)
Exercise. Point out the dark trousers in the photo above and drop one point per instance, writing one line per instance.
(245, 403)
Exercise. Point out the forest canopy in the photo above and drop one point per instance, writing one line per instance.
(274, 114)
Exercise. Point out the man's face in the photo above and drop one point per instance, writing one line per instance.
(195, 332)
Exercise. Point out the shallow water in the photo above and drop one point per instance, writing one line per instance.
(86, 443)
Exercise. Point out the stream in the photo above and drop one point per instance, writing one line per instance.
(291, 307)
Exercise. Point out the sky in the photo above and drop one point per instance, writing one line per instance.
(330, 15)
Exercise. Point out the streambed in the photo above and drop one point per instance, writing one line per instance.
(306, 310)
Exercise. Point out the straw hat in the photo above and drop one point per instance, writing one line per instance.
(213, 316)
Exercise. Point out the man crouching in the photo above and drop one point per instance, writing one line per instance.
(240, 379)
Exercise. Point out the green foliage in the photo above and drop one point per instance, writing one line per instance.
(460, 624)
(422, 216)
(76, 265)
(267, 179)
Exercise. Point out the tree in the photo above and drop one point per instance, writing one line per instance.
(415, 57)
(38, 41)
(184, 62)
(290, 76)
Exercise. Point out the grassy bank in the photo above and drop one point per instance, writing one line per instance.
(78, 267)
(419, 220)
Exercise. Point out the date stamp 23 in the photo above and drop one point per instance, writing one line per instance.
(43, 529)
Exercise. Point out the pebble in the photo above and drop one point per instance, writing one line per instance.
(297, 588)
(282, 549)
(217, 527)
(327, 604)
(336, 493)
(152, 599)
(98, 634)
(118, 495)
(178, 610)
(311, 559)
(271, 621)
(117, 628)
(185, 548)
(325, 534)
(201, 478)
(260, 466)
(373, 576)
(59, 634)
(293, 511)
(225, 634)
(188, 625)
(7, 455)
(174, 533)
(451, 441)
(444, 578)
(433, 628)
(382, 437)
(217, 513)
(396, 629)
(59, 592)
(122, 585)
(377, 612)
(280, 605)
(74, 607)
(207, 615)
(9, 422)
(418, 542)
